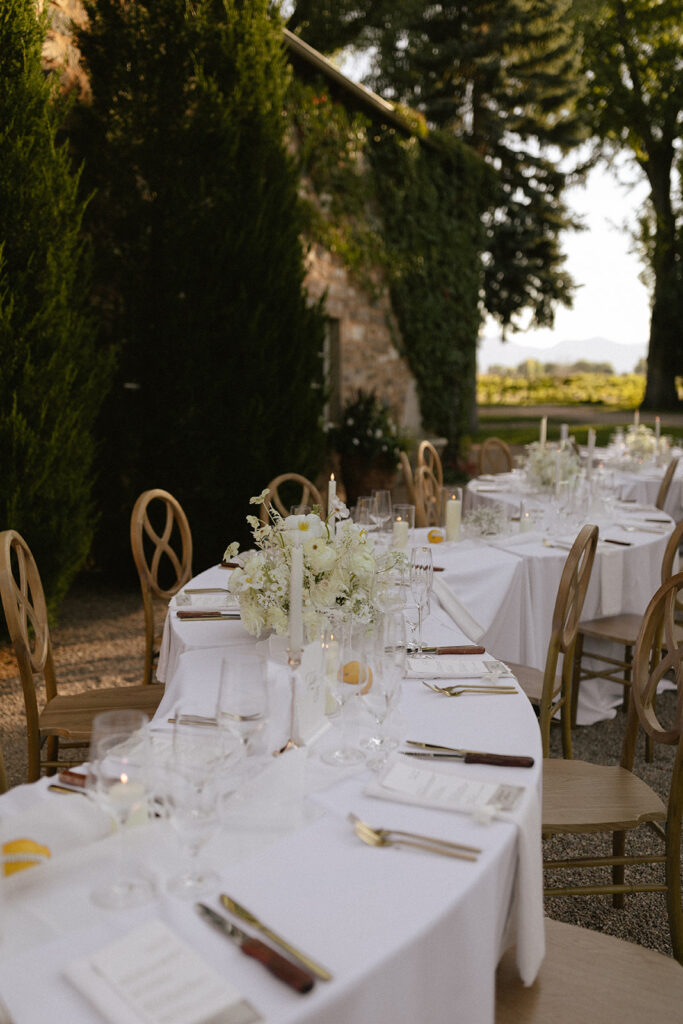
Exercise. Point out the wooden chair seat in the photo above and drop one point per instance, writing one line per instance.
(531, 680)
(70, 716)
(579, 797)
(64, 721)
(587, 976)
(621, 629)
(600, 797)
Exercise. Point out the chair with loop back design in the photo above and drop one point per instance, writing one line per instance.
(301, 492)
(161, 542)
(619, 629)
(64, 722)
(427, 498)
(548, 691)
(665, 485)
(584, 798)
(428, 456)
(589, 976)
(494, 456)
(408, 479)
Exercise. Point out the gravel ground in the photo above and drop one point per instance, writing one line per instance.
(99, 642)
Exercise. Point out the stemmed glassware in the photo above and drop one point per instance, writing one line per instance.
(421, 573)
(384, 694)
(381, 510)
(204, 754)
(118, 781)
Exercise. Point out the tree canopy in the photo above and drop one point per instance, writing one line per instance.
(633, 59)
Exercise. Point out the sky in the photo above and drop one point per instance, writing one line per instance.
(611, 303)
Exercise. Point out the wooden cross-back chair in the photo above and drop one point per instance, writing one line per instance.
(548, 691)
(408, 478)
(161, 542)
(307, 494)
(427, 498)
(63, 721)
(590, 976)
(665, 485)
(619, 629)
(580, 797)
(494, 456)
(428, 456)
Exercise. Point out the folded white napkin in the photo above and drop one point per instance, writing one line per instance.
(444, 666)
(457, 611)
(51, 827)
(445, 788)
(150, 976)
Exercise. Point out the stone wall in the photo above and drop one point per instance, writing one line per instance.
(368, 357)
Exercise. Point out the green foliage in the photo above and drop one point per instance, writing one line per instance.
(53, 376)
(633, 59)
(367, 429)
(618, 392)
(196, 226)
(432, 200)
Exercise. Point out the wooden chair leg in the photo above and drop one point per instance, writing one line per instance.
(618, 850)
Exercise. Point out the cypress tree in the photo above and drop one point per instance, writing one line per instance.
(52, 375)
(196, 225)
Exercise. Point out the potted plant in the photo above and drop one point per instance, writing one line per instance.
(368, 444)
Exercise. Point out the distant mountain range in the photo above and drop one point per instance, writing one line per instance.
(493, 351)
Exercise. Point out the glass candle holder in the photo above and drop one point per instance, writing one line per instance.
(403, 526)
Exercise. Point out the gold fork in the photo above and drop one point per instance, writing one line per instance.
(458, 691)
(394, 837)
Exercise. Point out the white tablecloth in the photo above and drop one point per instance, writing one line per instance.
(408, 935)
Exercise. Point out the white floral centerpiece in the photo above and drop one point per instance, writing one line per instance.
(546, 461)
(486, 521)
(339, 565)
(640, 442)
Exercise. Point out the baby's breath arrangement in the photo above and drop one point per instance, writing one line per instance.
(544, 461)
(339, 570)
(486, 521)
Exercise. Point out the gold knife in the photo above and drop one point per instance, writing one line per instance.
(245, 915)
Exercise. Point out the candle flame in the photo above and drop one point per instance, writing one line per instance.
(124, 778)
(331, 476)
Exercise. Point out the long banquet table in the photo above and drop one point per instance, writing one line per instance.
(626, 573)
(407, 935)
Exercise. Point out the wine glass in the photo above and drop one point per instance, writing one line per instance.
(117, 780)
(421, 573)
(381, 510)
(203, 755)
(243, 698)
(383, 696)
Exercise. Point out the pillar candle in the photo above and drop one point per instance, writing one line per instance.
(557, 471)
(564, 432)
(331, 500)
(296, 597)
(544, 430)
(400, 534)
(636, 418)
(658, 427)
(453, 515)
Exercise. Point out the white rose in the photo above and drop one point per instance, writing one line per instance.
(320, 556)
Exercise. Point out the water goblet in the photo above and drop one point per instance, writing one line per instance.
(117, 780)
(382, 698)
(381, 510)
(203, 754)
(421, 573)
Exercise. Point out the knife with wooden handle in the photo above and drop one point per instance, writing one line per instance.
(436, 752)
(285, 970)
(246, 915)
(461, 649)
